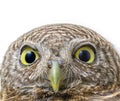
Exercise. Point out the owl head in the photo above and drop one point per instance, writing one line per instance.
(61, 59)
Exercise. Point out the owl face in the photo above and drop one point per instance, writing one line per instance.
(59, 59)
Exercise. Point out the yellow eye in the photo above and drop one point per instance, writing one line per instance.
(28, 56)
(85, 54)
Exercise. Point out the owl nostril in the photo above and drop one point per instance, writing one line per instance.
(50, 63)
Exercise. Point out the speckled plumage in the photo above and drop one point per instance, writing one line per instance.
(99, 81)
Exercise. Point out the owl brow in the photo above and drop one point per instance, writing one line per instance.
(27, 46)
(77, 45)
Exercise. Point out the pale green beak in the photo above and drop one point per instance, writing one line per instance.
(55, 76)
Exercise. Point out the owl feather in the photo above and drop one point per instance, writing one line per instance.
(60, 62)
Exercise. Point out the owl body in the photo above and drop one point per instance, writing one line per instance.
(61, 62)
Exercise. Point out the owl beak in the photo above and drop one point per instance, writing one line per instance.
(55, 76)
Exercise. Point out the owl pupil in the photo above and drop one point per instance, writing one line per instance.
(84, 56)
(30, 57)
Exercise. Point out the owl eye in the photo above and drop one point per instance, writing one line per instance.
(28, 56)
(85, 54)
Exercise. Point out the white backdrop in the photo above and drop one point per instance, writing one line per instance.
(20, 16)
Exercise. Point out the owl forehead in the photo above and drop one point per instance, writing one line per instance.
(55, 40)
(55, 36)
(51, 37)
(54, 33)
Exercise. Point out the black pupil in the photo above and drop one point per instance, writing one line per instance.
(30, 57)
(84, 56)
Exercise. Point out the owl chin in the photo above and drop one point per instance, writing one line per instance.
(36, 93)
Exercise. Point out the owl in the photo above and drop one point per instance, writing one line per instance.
(60, 62)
